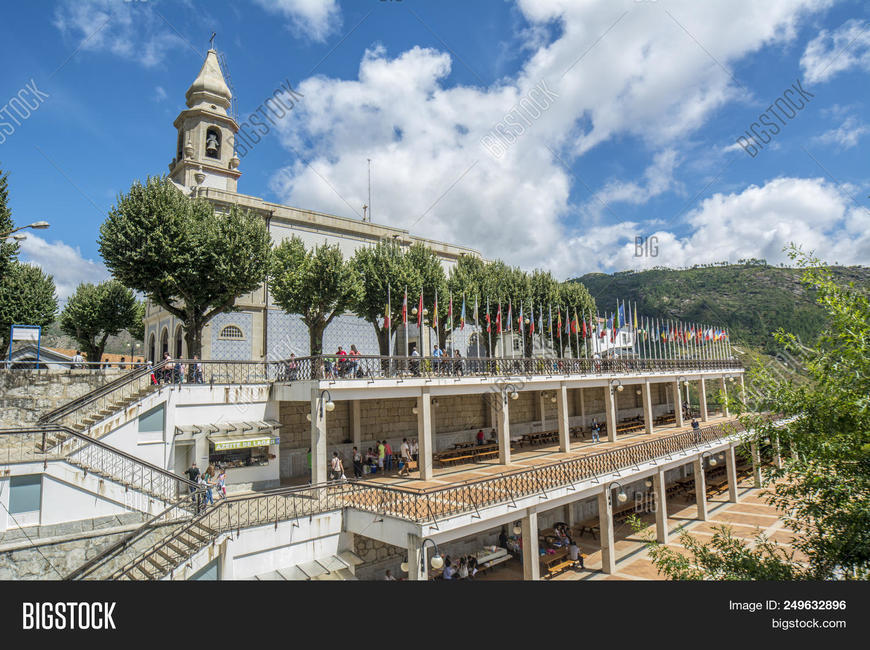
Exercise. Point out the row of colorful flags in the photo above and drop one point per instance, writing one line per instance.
(625, 318)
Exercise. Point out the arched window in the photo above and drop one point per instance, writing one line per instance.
(213, 143)
(179, 342)
(151, 349)
(164, 342)
(233, 332)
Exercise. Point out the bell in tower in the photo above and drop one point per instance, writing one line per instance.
(204, 126)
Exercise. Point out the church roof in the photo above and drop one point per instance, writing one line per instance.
(209, 86)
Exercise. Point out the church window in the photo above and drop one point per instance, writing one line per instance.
(232, 332)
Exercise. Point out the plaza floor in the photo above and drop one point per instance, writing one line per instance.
(747, 519)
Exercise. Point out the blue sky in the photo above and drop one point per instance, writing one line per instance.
(549, 133)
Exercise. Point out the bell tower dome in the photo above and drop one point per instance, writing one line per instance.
(205, 154)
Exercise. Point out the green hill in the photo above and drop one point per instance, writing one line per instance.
(752, 300)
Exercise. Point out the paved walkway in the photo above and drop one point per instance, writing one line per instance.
(523, 458)
(747, 519)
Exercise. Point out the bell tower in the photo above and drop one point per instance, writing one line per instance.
(204, 152)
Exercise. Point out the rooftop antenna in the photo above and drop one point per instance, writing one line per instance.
(370, 190)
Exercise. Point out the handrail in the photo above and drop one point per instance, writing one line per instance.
(95, 394)
(92, 442)
(88, 567)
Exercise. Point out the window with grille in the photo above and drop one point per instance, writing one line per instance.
(232, 332)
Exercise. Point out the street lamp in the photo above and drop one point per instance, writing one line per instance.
(38, 225)
(711, 460)
(517, 529)
(617, 385)
(510, 391)
(330, 405)
(621, 496)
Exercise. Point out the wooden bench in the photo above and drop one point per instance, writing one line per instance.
(555, 564)
(590, 526)
(449, 457)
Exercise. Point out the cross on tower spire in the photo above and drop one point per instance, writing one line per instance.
(211, 41)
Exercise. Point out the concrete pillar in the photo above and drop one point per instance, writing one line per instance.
(569, 514)
(356, 423)
(582, 406)
(605, 524)
(226, 561)
(424, 434)
(700, 488)
(647, 407)
(702, 398)
(318, 438)
(531, 559)
(415, 555)
(492, 401)
(610, 413)
(661, 507)
(678, 405)
(503, 428)
(541, 409)
(724, 384)
(731, 471)
(756, 464)
(564, 429)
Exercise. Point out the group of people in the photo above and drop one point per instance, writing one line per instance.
(443, 363)
(463, 568)
(379, 458)
(177, 372)
(562, 539)
(343, 364)
(208, 481)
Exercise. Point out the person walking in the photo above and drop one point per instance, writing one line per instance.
(381, 455)
(197, 369)
(696, 428)
(596, 430)
(222, 483)
(357, 463)
(405, 451)
(192, 473)
(414, 450)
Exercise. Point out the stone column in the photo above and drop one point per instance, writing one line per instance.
(531, 559)
(415, 555)
(756, 464)
(605, 524)
(318, 438)
(610, 413)
(647, 407)
(491, 400)
(582, 407)
(724, 385)
(424, 434)
(731, 471)
(700, 488)
(541, 410)
(503, 428)
(356, 423)
(661, 507)
(226, 561)
(564, 429)
(702, 398)
(569, 514)
(678, 405)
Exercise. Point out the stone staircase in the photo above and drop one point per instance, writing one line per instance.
(169, 552)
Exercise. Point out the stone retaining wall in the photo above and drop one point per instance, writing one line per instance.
(27, 394)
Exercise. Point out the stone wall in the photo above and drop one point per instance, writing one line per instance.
(27, 394)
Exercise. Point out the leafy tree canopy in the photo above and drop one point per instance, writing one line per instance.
(97, 311)
(27, 297)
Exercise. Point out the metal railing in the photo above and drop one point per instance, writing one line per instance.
(334, 367)
(232, 513)
(52, 443)
(428, 505)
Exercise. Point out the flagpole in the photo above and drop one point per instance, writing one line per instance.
(488, 328)
(405, 315)
(389, 328)
(552, 344)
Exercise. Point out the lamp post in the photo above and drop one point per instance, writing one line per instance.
(38, 225)
(436, 562)
(621, 496)
(510, 391)
(330, 405)
(712, 459)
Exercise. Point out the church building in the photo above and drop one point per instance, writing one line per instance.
(206, 166)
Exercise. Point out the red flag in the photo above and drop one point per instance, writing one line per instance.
(488, 323)
(405, 309)
(584, 328)
(387, 316)
(498, 320)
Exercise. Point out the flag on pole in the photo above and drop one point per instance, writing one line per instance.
(510, 326)
(584, 328)
(435, 315)
(387, 312)
(462, 315)
(520, 327)
(559, 320)
(405, 308)
(450, 313)
(531, 319)
(420, 312)
(575, 326)
(498, 320)
(476, 321)
(635, 315)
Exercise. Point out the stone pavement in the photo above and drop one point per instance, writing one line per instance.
(747, 518)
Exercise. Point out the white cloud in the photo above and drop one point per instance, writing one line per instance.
(314, 19)
(645, 78)
(757, 222)
(130, 30)
(159, 94)
(833, 52)
(846, 135)
(63, 262)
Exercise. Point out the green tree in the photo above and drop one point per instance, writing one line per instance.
(823, 489)
(97, 311)
(429, 273)
(182, 255)
(26, 298)
(317, 284)
(465, 282)
(8, 247)
(543, 292)
(574, 297)
(378, 268)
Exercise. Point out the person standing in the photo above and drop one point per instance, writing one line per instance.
(480, 437)
(381, 455)
(192, 473)
(197, 369)
(414, 449)
(78, 360)
(388, 456)
(222, 483)
(336, 468)
(357, 463)
(596, 430)
(354, 361)
(696, 428)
